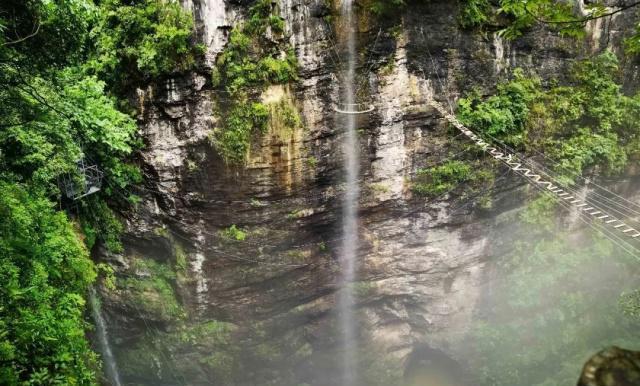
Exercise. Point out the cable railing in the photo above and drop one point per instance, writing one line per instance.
(514, 162)
(354, 108)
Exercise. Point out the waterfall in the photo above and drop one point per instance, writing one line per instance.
(111, 369)
(349, 209)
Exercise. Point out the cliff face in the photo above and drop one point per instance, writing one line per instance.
(197, 303)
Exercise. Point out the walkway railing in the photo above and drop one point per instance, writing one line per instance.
(514, 163)
(353, 108)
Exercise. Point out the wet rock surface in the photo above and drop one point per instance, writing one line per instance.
(208, 299)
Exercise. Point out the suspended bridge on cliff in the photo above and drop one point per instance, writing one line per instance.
(603, 209)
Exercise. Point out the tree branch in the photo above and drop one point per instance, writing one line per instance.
(34, 33)
(8, 125)
(26, 87)
(584, 19)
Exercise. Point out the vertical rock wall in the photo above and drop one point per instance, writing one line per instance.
(197, 304)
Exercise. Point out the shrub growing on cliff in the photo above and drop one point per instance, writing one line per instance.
(241, 122)
(474, 13)
(437, 180)
(440, 179)
(504, 114)
(234, 233)
(217, 353)
(142, 40)
(630, 304)
(250, 58)
(587, 123)
(250, 61)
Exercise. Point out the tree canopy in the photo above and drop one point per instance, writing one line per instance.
(65, 66)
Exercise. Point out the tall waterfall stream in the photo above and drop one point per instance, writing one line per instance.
(350, 208)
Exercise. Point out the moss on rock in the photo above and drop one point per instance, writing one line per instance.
(256, 56)
(161, 354)
(149, 289)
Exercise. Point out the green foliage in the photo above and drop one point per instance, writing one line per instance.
(312, 162)
(249, 62)
(388, 68)
(523, 16)
(236, 70)
(443, 178)
(585, 124)
(555, 301)
(514, 17)
(630, 304)
(284, 116)
(138, 41)
(58, 62)
(502, 115)
(50, 125)
(474, 13)
(250, 59)
(106, 275)
(553, 304)
(591, 123)
(540, 212)
(45, 271)
(385, 7)
(240, 123)
(40, 36)
(632, 43)
(234, 233)
(100, 222)
(180, 259)
(52, 114)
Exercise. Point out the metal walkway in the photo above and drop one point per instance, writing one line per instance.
(513, 161)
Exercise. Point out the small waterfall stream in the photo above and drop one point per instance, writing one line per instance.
(349, 209)
(111, 369)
